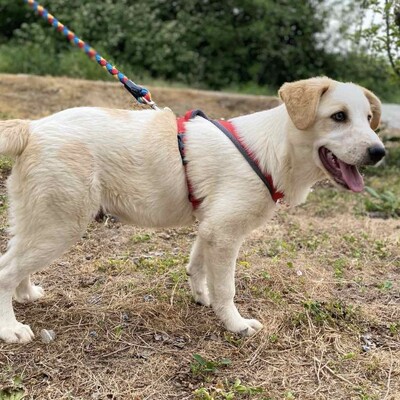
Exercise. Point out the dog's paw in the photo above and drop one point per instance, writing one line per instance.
(32, 293)
(199, 291)
(246, 327)
(16, 333)
(202, 297)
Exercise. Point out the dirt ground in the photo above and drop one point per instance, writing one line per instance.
(323, 279)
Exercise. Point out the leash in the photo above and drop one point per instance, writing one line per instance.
(141, 94)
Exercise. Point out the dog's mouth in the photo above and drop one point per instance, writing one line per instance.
(344, 174)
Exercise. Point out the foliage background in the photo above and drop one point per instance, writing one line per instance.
(241, 45)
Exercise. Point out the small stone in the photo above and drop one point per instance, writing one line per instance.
(367, 338)
(157, 337)
(148, 298)
(157, 253)
(145, 354)
(369, 343)
(89, 257)
(89, 281)
(125, 317)
(47, 335)
(161, 337)
(179, 342)
(378, 214)
(63, 264)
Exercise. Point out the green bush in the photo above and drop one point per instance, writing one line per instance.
(245, 45)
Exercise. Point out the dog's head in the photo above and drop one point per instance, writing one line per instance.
(338, 120)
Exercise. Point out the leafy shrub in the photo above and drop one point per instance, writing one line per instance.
(386, 202)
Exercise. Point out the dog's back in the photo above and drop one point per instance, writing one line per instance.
(127, 161)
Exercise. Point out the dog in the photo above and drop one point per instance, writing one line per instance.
(72, 163)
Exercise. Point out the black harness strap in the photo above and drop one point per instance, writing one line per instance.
(245, 154)
(235, 141)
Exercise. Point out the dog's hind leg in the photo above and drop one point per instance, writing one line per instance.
(26, 292)
(44, 224)
(26, 255)
(196, 272)
(11, 330)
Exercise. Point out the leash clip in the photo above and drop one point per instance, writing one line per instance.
(142, 95)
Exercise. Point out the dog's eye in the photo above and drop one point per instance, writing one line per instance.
(339, 116)
(369, 118)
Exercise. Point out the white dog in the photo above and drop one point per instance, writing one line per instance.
(72, 163)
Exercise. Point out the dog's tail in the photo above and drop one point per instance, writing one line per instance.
(14, 136)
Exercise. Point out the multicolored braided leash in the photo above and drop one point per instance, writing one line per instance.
(141, 94)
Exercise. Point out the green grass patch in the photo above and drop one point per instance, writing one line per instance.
(394, 328)
(329, 201)
(12, 394)
(161, 265)
(14, 391)
(3, 203)
(234, 339)
(201, 366)
(141, 238)
(385, 286)
(339, 266)
(6, 163)
(333, 313)
(4, 115)
(114, 266)
(228, 391)
(386, 203)
(383, 185)
(278, 247)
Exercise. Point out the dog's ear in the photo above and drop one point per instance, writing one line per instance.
(302, 98)
(376, 108)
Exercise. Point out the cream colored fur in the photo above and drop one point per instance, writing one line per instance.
(70, 164)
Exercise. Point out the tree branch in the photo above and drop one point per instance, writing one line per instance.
(388, 41)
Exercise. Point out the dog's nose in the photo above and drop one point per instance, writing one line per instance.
(376, 153)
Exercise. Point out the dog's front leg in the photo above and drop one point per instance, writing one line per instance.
(220, 259)
(196, 272)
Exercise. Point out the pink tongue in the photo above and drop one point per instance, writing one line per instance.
(351, 176)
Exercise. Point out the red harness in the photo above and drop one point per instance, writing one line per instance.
(230, 131)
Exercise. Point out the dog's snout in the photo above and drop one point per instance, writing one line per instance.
(376, 153)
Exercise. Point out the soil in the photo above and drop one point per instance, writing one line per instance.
(323, 279)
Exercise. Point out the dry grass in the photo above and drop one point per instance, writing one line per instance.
(320, 277)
